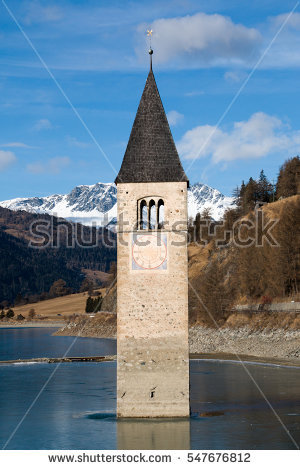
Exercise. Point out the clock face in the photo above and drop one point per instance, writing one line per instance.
(149, 252)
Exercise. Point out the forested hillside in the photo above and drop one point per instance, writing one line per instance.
(253, 256)
(65, 251)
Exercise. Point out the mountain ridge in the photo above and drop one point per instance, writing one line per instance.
(97, 204)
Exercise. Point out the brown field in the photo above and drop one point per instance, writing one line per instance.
(57, 309)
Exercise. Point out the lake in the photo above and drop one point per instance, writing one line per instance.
(76, 409)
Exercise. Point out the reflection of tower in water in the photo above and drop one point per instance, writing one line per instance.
(154, 434)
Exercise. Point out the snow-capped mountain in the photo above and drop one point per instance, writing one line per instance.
(201, 196)
(96, 204)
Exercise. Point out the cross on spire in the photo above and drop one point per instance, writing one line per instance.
(149, 34)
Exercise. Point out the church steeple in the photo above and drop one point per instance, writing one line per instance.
(152, 288)
(151, 154)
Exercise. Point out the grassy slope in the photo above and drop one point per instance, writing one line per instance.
(61, 308)
(65, 306)
(274, 208)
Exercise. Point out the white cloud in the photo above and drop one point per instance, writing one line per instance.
(57, 164)
(258, 137)
(194, 93)
(77, 143)
(37, 13)
(17, 144)
(202, 40)
(7, 158)
(292, 21)
(174, 117)
(234, 76)
(285, 51)
(42, 124)
(53, 166)
(36, 168)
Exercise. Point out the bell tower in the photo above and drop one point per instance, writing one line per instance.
(152, 281)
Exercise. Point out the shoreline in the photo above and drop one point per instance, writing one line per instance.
(32, 325)
(55, 360)
(247, 359)
(272, 345)
(214, 357)
(275, 344)
(268, 346)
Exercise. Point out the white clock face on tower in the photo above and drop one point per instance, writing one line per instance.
(149, 251)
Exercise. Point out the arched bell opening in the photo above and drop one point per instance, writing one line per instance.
(143, 215)
(152, 215)
(160, 214)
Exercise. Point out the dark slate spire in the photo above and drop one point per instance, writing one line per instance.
(151, 155)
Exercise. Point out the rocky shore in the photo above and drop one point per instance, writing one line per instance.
(102, 325)
(266, 343)
(262, 341)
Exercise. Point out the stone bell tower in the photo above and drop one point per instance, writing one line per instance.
(152, 285)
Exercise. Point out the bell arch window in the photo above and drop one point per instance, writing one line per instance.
(143, 217)
(160, 213)
(150, 213)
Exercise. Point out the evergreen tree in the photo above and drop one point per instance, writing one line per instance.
(93, 305)
(10, 313)
(250, 196)
(264, 188)
(97, 303)
(89, 305)
(238, 194)
(242, 189)
(288, 183)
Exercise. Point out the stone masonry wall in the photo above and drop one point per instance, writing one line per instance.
(152, 306)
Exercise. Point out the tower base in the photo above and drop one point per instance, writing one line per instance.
(153, 378)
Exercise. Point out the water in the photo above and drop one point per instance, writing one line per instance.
(76, 409)
(26, 343)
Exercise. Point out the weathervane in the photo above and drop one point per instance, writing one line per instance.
(149, 34)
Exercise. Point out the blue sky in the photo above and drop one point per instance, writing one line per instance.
(97, 53)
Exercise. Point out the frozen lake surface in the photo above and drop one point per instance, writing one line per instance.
(76, 409)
